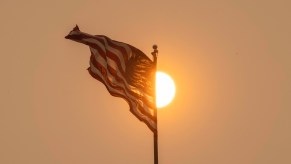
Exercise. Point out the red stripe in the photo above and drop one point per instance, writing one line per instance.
(103, 70)
(113, 72)
(121, 49)
(144, 112)
(92, 45)
(99, 50)
(116, 60)
(105, 54)
(96, 76)
(113, 56)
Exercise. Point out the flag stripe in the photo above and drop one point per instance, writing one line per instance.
(149, 122)
(120, 48)
(110, 51)
(119, 92)
(97, 67)
(145, 110)
(110, 64)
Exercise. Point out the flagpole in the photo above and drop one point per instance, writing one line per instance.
(156, 159)
(156, 155)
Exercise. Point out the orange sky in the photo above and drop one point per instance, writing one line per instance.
(230, 61)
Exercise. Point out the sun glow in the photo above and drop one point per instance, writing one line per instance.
(165, 89)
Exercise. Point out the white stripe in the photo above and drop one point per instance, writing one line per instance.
(125, 46)
(134, 104)
(106, 47)
(113, 65)
(96, 42)
(127, 94)
(113, 80)
(116, 52)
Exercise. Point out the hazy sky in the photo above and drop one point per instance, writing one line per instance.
(231, 62)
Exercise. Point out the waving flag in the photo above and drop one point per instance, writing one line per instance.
(125, 71)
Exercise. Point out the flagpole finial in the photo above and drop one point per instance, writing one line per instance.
(155, 53)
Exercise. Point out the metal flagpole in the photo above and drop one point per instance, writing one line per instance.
(156, 159)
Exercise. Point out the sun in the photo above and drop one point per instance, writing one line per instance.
(165, 89)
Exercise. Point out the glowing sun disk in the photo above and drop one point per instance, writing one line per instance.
(165, 89)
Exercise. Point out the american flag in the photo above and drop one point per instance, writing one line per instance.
(125, 71)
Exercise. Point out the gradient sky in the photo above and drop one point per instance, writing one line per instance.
(231, 62)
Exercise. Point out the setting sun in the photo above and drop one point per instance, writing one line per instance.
(165, 89)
